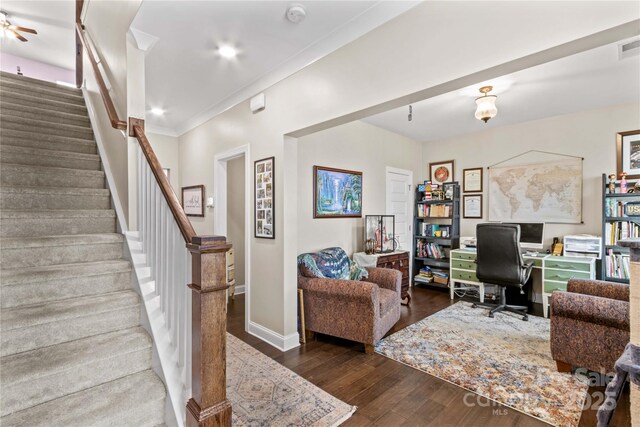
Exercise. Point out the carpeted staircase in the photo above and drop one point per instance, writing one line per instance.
(72, 349)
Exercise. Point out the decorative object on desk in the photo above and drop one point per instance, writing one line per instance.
(441, 172)
(263, 392)
(495, 358)
(532, 189)
(632, 209)
(623, 181)
(382, 229)
(557, 249)
(612, 184)
(486, 105)
(370, 246)
(264, 208)
(472, 180)
(472, 206)
(628, 153)
(337, 193)
(192, 200)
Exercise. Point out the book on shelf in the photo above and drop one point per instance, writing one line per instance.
(431, 230)
(618, 230)
(616, 208)
(617, 265)
(434, 211)
(426, 249)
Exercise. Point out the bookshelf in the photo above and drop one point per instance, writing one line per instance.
(617, 224)
(436, 233)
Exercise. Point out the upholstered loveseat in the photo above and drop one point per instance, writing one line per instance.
(589, 324)
(358, 310)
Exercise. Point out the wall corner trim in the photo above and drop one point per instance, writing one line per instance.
(281, 342)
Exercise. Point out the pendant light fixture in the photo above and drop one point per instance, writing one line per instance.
(486, 105)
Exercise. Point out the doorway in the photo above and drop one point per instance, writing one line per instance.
(232, 213)
(399, 200)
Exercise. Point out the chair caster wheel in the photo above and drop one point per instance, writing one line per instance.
(474, 305)
(525, 318)
(491, 315)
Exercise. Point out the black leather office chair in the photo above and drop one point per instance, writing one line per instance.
(500, 263)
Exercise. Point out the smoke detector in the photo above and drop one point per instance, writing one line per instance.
(296, 13)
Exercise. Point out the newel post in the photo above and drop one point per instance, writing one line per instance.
(208, 405)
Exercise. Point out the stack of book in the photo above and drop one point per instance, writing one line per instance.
(429, 250)
(434, 211)
(617, 265)
(615, 231)
(441, 276)
(425, 275)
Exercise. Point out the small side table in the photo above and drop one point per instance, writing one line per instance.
(398, 260)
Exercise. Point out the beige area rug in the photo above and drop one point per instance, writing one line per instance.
(265, 393)
(503, 359)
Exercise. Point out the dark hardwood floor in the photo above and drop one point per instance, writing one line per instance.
(388, 393)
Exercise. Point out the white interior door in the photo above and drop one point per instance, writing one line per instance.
(399, 202)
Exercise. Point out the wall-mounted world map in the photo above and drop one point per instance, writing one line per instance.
(545, 191)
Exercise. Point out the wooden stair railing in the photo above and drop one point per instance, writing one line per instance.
(208, 405)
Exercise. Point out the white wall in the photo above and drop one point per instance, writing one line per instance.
(236, 214)
(590, 134)
(35, 69)
(412, 54)
(168, 153)
(354, 146)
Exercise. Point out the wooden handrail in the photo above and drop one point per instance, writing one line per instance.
(116, 123)
(172, 200)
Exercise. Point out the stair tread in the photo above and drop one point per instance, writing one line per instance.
(50, 169)
(45, 361)
(4, 76)
(9, 106)
(36, 123)
(11, 134)
(79, 191)
(57, 213)
(45, 273)
(39, 314)
(90, 406)
(9, 148)
(65, 240)
(17, 86)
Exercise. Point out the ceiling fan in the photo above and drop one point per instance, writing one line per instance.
(11, 31)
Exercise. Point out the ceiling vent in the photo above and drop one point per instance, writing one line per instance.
(629, 49)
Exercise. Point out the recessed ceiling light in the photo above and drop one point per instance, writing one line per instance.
(157, 111)
(227, 51)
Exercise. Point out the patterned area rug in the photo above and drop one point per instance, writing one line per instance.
(265, 393)
(504, 359)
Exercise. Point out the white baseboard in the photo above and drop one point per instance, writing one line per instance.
(280, 342)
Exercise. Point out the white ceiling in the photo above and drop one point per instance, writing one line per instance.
(188, 79)
(585, 81)
(53, 20)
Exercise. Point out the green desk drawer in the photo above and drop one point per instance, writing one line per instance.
(537, 262)
(564, 275)
(464, 275)
(465, 265)
(463, 255)
(568, 265)
(550, 286)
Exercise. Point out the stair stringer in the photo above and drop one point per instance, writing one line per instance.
(165, 360)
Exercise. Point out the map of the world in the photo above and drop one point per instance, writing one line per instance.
(548, 192)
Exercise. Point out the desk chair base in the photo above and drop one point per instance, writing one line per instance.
(502, 306)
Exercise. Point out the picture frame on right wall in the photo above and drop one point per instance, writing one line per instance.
(472, 206)
(472, 180)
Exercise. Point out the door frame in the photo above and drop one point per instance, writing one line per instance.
(410, 202)
(220, 211)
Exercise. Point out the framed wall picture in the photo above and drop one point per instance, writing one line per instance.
(193, 200)
(264, 207)
(628, 153)
(472, 180)
(337, 193)
(472, 206)
(441, 172)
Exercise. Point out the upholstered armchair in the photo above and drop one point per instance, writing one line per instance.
(358, 310)
(589, 325)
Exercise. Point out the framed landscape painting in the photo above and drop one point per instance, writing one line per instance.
(337, 193)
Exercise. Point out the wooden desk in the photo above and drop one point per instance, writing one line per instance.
(556, 272)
